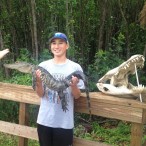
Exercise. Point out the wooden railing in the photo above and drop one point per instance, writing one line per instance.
(102, 105)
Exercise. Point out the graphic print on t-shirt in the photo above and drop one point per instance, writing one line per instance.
(52, 95)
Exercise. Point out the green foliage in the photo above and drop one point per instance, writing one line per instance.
(45, 55)
(93, 77)
(118, 44)
(116, 135)
(33, 112)
(19, 78)
(104, 61)
(144, 139)
(80, 20)
(24, 55)
(9, 140)
(9, 111)
(137, 38)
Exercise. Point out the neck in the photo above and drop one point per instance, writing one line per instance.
(59, 60)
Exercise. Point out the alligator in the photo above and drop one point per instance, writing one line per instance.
(49, 81)
(115, 81)
(3, 53)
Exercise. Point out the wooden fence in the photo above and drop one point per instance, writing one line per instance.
(101, 105)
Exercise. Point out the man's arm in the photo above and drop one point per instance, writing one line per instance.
(74, 88)
(39, 88)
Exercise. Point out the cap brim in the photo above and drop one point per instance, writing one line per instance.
(57, 38)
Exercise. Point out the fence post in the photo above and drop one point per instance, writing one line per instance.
(23, 120)
(136, 134)
(137, 131)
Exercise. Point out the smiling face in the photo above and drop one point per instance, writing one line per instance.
(59, 47)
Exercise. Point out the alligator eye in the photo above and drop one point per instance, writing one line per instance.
(105, 89)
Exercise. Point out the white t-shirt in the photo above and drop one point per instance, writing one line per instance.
(50, 111)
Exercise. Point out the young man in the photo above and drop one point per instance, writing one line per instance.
(55, 127)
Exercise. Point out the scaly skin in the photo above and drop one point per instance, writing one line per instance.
(51, 82)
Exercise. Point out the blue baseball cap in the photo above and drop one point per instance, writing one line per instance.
(59, 35)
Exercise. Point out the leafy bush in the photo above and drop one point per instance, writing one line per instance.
(9, 111)
(10, 140)
(117, 135)
(104, 61)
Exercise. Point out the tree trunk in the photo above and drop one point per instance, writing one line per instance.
(34, 30)
(127, 30)
(67, 16)
(144, 52)
(101, 29)
(1, 41)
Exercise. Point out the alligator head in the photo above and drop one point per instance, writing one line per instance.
(115, 81)
(21, 66)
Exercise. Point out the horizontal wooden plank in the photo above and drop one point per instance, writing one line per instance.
(31, 133)
(101, 104)
(120, 112)
(19, 93)
(99, 96)
(18, 130)
(95, 96)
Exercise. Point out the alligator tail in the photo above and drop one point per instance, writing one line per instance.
(88, 98)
